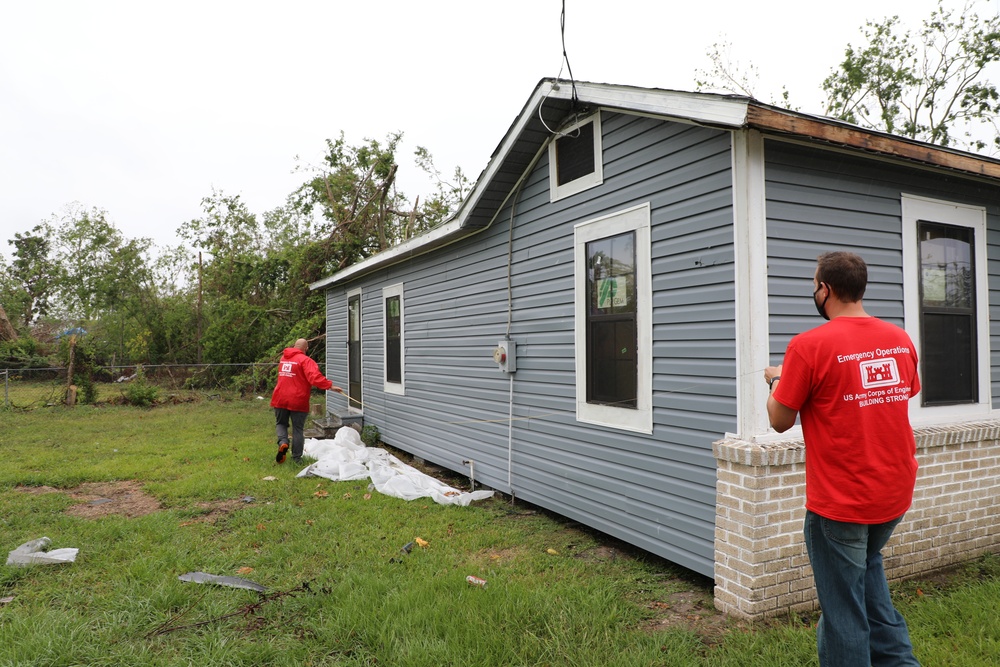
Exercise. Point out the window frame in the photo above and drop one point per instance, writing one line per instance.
(585, 182)
(398, 388)
(635, 219)
(917, 209)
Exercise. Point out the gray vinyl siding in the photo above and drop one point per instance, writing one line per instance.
(856, 202)
(654, 491)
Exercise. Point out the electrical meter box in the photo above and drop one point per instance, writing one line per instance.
(505, 354)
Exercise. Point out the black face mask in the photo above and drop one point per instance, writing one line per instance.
(821, 307)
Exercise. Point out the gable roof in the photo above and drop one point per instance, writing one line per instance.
(553, 101)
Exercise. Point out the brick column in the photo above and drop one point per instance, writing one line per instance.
(761, 566)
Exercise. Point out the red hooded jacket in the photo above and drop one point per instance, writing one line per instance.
(297, 374)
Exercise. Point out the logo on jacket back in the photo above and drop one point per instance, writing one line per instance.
(879, 373)
(286, 367)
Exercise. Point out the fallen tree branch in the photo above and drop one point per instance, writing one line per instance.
(244, 611)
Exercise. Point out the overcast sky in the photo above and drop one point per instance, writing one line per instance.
(142, 109)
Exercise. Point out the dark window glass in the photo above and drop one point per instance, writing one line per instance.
(393, 350)
(612, 364)
(354, 351)
(575, 154)
(947, 315)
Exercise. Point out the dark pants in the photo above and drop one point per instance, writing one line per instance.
(281, 418)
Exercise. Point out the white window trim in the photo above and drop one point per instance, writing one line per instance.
(398, 388)
(914, 209)
(596, 177)
(634, 219)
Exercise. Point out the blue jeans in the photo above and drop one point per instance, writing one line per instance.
(859, 627)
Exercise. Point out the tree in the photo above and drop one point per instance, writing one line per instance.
(445, 201)
(354, 192)
(7, 332)
(730, 75)
(34, 274)
(101, 270)
(931, 87)
(7, 291)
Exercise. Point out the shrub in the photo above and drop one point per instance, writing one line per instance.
(140, 392)
(370, 435)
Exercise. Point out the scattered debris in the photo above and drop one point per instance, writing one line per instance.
(476, 581)
(248, 499)
(232, 582)
(245, 611)
(270, 478)
(421, 543)
(407, 548)
(7, 599)
(552, 552)
(34, 553)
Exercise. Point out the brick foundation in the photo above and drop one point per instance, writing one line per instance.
(761, 566)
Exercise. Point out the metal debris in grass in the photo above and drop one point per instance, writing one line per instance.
(232, 582)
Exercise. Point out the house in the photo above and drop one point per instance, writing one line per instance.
(588, 332)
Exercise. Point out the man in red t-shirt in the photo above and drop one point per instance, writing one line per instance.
(849, 381)
(297, 375)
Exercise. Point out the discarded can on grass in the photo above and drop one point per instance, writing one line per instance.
(476, 581)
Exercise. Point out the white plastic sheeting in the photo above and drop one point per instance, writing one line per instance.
(34, 553)
(346, 458)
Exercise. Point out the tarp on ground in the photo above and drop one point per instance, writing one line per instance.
(346, 458)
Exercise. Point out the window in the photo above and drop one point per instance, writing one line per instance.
(575, 158)
(611, 315)
(614, 320)
(392, 301)
(947, 313)
(946, 305)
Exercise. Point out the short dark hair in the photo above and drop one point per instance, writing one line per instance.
(845, 273)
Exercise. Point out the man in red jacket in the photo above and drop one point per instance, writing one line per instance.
(297, 375)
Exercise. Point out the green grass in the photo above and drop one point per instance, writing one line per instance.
(596, 603)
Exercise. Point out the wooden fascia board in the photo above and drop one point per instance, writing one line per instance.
(776, 121)
(716, 110)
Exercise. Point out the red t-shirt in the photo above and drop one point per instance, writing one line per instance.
(850, 381)
(297, 374)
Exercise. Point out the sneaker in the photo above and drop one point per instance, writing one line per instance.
(282, 450)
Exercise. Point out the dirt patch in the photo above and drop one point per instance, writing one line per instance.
(602, 553)
(692, 610)
(215, 511)
(97, 499)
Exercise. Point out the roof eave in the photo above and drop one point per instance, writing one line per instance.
(780, 121)
(716, 110)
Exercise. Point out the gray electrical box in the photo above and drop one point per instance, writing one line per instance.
(505, 354)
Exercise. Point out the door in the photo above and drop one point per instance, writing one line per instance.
(354, 351)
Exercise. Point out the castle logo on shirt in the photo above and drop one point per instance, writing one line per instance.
(879, 373)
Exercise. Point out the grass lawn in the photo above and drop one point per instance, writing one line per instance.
(187, 491)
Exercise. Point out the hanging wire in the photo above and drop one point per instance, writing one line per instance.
(569, 68)
(572, 80)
